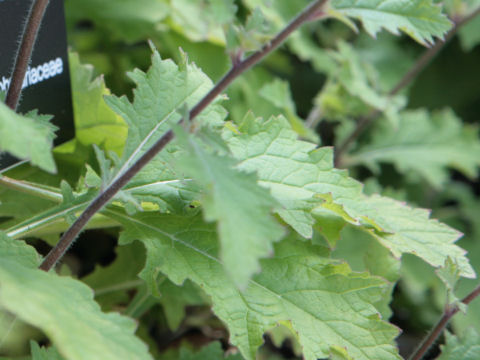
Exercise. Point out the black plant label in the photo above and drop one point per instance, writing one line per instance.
(47, 84)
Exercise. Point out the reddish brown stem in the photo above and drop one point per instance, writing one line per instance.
(34, 20)
(449, 312)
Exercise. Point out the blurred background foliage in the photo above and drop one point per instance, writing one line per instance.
(323, 80)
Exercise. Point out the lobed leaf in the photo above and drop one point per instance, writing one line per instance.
(160, 94)
(241, 208)
(64, 309)
(303, 181)
(300, 285)
(420, 19)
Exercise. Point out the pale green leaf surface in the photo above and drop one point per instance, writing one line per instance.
(420, 19)
(404, 229)
(42, 353)
(363, 253)
(201, 20)
(160, 94)
(175, 299)
(294, 171)
(212, 351)
(27, 137)
(359, 79)
(64, 309)
(298, 174)
(19, 251)
(95, 122)
(426, 144)
(299, 285)
(464, 347)
(131, 20)
(236, 202)
(278, 93)
(470, 34)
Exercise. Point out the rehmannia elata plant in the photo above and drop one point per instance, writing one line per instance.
(261, 194)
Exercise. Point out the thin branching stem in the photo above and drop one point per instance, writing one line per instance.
(450, 311)
(410, 75)
(311, 12)
(24, 54)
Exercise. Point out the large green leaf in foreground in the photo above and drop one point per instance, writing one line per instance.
(27, 137)
(327, 304)
(241, 208)
(64, 309)
(303, 181)
(421, 19)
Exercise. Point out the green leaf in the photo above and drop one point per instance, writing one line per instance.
(470, 34)
(353, 88)
(160, 93)
(278, 94)
(213, 351)
(64, 309)
(201, 20)
(294, 171)
(43, 353)
(95, 122)
(465, 347)
(420, 19)
(404, 229)
(302, 178)
(19, 251)
(27, 137)
(111, 284)
(175, 299)
(131, 20)
(300, 285)
(424, 144)
(235, 200)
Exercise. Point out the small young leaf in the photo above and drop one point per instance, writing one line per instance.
(95, 122)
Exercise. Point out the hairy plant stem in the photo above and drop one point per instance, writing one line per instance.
(450, 311)
(415, 70)
(311, 12)
(30, 32)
